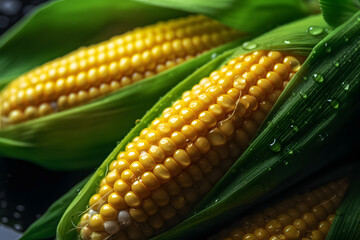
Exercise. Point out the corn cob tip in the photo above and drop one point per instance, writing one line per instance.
(165, 171)
(93, 72)
(307, 217)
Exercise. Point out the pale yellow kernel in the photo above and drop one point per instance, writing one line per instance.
(31, 112)
(172, 166)
(137, 168)
(310, 220)
(149, 206)
(275, 55)
(273, 227)
(292, 63)
(128, 176)
(16, 116)
(125, 64)
(139, 188)
(156, 221)
(108, 212)
(207, 119)
(182, 158)
(160, 197)
(282, 70)
(216, 137)
(324, 227)
(138, 215)
(132, 200)
(114, 85)
(150, 181)
(316, 235)
(135, 77)
(199, 127)
(45, 109)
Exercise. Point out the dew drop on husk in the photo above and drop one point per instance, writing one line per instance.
(214, 55)
(333, 103)
(318, 78)
(275, 146)
(249, 45)
(303, 95)
(315, 30)
(294, 128)
(336, 64)
(327, 48)
(345, 86)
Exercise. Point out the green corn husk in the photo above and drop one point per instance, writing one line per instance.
(337, 12)
(260, 169)
(307, 126)
(79, 137)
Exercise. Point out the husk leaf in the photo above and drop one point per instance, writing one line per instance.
(301, 43)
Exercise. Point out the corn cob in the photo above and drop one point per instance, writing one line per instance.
(95, 71)
(307, 217)
(166, 169)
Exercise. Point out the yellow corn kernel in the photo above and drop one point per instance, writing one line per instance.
(171, 165)
(284, 222)
(95, 71)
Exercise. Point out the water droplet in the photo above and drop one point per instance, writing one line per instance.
(137, 121)
(286, 162)
(78, 190)
(4, 220)
(294, 128)
(249, 45)
(3, 204)
(308, 109)
(216, 200)
(336, 64)
(346, 39)
(327, 48)
(20, 208)
(275, 146)
(287, 42)
(269, 169)
(303, 95)
(358, 19)
(318, 78)
(213, 55)
(346, 86)
(18, 227)
(290, 151)
(321, 137)
(315, 30)
(305, 78)
(16, 215)
(333, 103)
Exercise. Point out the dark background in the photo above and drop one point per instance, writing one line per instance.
(26, 191)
